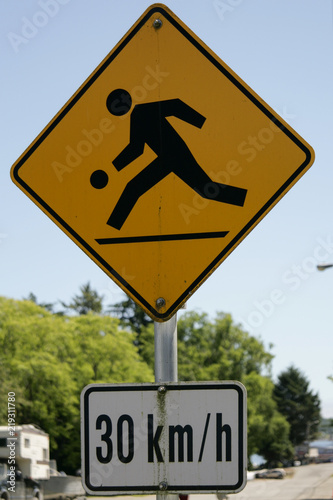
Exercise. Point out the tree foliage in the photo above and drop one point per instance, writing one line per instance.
(130, 315)
(47, 305)
(87, 301)
(218, 350)
(268, 430)
(221, 350)
(298, 404)
(48, 359)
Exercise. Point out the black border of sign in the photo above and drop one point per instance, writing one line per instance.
(170, 386)
(201, 48)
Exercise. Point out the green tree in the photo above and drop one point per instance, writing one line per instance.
(46, 392)
(47, 305)
(106, 353)
(298, 404)
(87, 301)
(147, 345)
(268, 430)
(221, 350)
(130, 315)
(218, 350)
(47, 360)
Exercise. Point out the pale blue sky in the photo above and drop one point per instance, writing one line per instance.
(283, 50)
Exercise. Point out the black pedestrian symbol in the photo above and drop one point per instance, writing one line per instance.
(149, 125)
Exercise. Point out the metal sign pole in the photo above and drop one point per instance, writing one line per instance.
(166, 363)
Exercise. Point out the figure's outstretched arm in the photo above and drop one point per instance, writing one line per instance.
(128, 154)
(178, 108)
(134, 149)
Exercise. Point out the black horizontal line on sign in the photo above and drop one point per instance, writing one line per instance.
(161, 237)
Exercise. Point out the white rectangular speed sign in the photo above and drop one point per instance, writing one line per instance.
(185, 437)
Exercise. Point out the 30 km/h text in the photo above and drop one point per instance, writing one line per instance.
(174, 443)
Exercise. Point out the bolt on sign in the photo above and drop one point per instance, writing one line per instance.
(161, 163)
(176, 437)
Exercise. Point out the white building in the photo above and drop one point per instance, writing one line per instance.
(27, 449)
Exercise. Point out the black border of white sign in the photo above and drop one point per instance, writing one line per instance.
(186, 437)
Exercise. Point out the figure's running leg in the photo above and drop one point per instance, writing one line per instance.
(139, 185)
(193, 175)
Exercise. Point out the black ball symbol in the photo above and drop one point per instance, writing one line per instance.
(99, 179)
(119, 102)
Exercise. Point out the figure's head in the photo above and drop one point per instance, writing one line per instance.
(119, 102)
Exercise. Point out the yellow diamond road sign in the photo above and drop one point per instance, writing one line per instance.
(161, 163)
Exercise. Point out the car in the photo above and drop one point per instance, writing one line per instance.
(271, 474)
(15, 487)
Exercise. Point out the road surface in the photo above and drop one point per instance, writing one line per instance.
(309, 482)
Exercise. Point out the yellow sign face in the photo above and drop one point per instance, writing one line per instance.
(161, 163)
